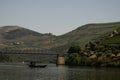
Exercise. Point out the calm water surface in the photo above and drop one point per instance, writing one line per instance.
(51, 72)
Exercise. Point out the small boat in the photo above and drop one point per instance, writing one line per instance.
(33, 65)
(37, 66)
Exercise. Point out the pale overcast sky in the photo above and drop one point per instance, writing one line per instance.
(57, 16)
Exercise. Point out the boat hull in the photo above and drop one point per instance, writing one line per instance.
(37, 66)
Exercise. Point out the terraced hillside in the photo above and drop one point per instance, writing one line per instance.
(15, 37)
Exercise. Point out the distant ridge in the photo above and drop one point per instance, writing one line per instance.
(16, 37)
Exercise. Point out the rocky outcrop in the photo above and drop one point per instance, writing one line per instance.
(114, 32)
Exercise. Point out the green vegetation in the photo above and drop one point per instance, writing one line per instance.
(98, 59)
(74, 49)
(19, 33)
(102, 52)
(4, 58)
(21, 38)
(89, 38)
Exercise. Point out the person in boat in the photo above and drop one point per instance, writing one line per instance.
(32, 63)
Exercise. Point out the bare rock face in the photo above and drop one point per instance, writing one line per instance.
(118, 55)
(93, 56)
(115, 32)
(111, 35)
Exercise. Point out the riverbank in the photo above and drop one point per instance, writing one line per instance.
(95, 60)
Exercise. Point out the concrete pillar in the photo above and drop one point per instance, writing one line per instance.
(60, 59)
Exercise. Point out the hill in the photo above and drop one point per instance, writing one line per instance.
(102, 52)
(109, 43)
(15, 37)
(86, 33)
(19, 37)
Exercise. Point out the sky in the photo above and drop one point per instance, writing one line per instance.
(57, 16)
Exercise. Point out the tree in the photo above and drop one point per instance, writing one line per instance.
(74, 49)
(74, 59)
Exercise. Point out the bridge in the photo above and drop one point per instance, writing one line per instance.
(41, 52)
(31, 53)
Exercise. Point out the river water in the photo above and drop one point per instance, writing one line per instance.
(53, 72)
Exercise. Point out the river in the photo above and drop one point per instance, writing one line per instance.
(53, 72)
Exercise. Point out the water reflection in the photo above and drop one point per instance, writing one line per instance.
(62, 72)
(51, 72)
(88, 73)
